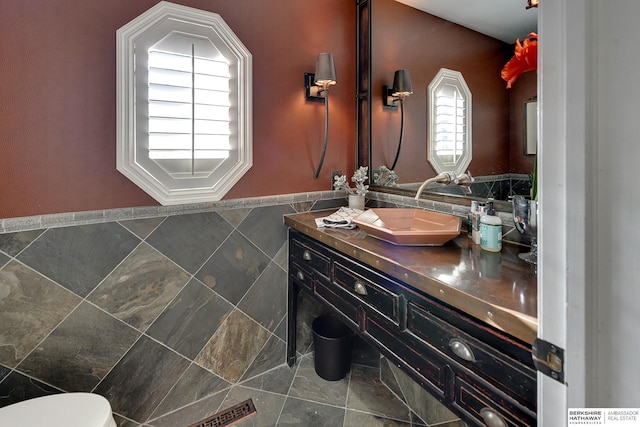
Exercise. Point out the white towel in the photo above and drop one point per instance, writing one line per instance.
(339, 219)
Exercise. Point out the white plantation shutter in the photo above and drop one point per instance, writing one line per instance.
(450, 124)
(189, 106)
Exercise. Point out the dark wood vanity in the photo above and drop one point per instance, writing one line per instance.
(458, 320)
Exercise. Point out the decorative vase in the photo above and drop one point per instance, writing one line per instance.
(356, 201)
(525, 219)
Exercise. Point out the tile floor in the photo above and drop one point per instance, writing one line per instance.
(299, 397)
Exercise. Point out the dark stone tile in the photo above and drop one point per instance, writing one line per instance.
(281, 330)
(79, 257)
(13, 243)
(389, 379)
(28, 302)
(233, 268)
(361, 419)
(193, 413)
(297, 412)
(265, 227)
(191, 319)
(368, 394)
(189, 240)
(272, 355)
(140, 288)
(233, 347)
(123, 422)
(142, 227)
(427, 407)
(196, 383)
(4, 371)
(144, 376)
(309, 386)
(266, 301)
(521, 187)
(321, 205)
(235, 216)
(80, 351)
(303, 206)
(277, 380)
(268, 406)
(3, 259)
(364, 353)
(308, 310)
(282, 257)
(17, 387)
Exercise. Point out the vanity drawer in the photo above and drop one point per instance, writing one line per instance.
(301, 274)
(304, 255)
(339, 299)
(489, 409)
(368, 291)
(427, 367)
(487, 362)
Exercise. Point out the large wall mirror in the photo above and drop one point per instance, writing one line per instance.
(394, 35)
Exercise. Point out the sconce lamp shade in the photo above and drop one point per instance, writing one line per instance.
(325, 70)
(401, 84)
(532, 3)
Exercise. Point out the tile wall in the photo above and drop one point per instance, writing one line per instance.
(153, 313)
(153, 308)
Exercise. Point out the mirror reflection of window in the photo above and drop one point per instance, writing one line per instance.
(449, 145)
(450, 124)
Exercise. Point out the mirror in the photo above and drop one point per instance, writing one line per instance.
(530, 127)
(450, 147)
(395, 35)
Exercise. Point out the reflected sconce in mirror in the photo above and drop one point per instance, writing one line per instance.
(317, 89)
(394, 96)
(532, 3)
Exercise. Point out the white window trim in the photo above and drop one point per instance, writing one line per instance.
(452, 78)
(161, 186)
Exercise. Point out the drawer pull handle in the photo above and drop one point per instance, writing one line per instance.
(462, 350)
(300, 275)
(360, 289)
(306, 255)
(492, 418)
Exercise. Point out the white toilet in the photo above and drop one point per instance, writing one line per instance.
(59, 410)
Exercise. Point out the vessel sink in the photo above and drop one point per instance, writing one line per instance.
(411, 227)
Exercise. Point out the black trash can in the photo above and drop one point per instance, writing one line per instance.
(333, 342)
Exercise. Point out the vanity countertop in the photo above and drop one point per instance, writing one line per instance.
(496, 288)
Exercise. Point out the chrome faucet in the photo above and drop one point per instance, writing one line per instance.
(465, 180)
(442, 178)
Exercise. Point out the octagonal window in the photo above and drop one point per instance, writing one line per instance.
(184, 104)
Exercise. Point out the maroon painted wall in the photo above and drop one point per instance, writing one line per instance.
(57, 99)
(522, 90)
(403, 37)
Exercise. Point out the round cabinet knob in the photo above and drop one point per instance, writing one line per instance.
(359, 289)
(306, 255)
(300, 275)
(462, 350)
(492, 418)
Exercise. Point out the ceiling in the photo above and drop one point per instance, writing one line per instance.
(505, 20)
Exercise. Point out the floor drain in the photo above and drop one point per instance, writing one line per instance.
(229, 416)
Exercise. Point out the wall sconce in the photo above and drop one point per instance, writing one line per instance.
(394, 96)
(317, 89)
(532, 3)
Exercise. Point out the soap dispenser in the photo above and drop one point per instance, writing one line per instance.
(490, 230)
